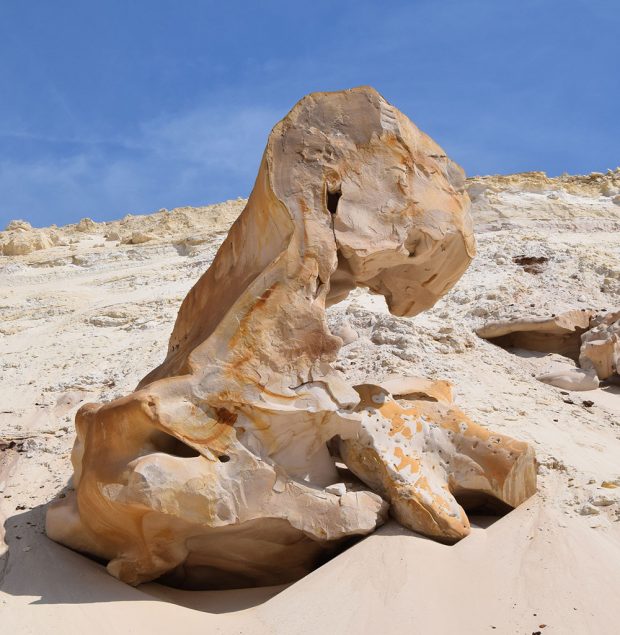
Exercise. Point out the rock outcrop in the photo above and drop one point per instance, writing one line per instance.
(222, 468)
(590, 338)
(600, 348)
(556, 334)
(20, 238)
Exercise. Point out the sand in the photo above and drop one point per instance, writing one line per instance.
(86, 318)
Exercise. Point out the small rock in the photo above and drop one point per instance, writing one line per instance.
(137, 238)
(340, 489)
(603, 500)
(589, 510)
(609, 484)
(86, 225)
(346, 333)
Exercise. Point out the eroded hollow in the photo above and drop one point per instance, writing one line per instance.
(166, 443)
(225, 567)
(567, 344)
(332, 199)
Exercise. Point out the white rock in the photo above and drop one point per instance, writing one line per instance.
(571, 379)
(346, 333)
(340, 489)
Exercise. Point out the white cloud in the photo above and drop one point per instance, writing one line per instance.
(203, 155)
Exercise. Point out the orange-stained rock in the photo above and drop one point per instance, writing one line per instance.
(425, 454)
(216, 471)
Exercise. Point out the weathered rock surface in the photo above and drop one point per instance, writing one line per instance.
(557, 334)
(423, 453)
(571, 378)
(216, 470)
(21, 239)
(600, 348)
(592, 339)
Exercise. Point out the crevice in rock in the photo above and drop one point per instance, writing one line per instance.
(332, 199)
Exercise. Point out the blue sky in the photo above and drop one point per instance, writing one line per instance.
(119, 107)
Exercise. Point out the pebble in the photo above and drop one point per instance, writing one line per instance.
(339, 489)
(589, 510)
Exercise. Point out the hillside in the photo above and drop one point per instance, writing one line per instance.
(86, 311)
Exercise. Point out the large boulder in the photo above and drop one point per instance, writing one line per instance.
(216, 471)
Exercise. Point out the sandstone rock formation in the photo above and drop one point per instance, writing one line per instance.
(557, 334)
(219, 470)
(422, 453)
(20, 238)
(592, 339)
(600, 348)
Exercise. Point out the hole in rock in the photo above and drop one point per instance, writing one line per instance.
(481, 504)
(551, 334)
(223, 458)
(332, 200)
(163, 442)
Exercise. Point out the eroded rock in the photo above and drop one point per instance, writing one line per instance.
(138, 238)
(600, 348)
(23, 240)
(424, 454)
(571, 378)
(216, 471)
(556, 334)
(592, 339)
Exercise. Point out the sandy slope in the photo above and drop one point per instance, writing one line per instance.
(83, 317)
